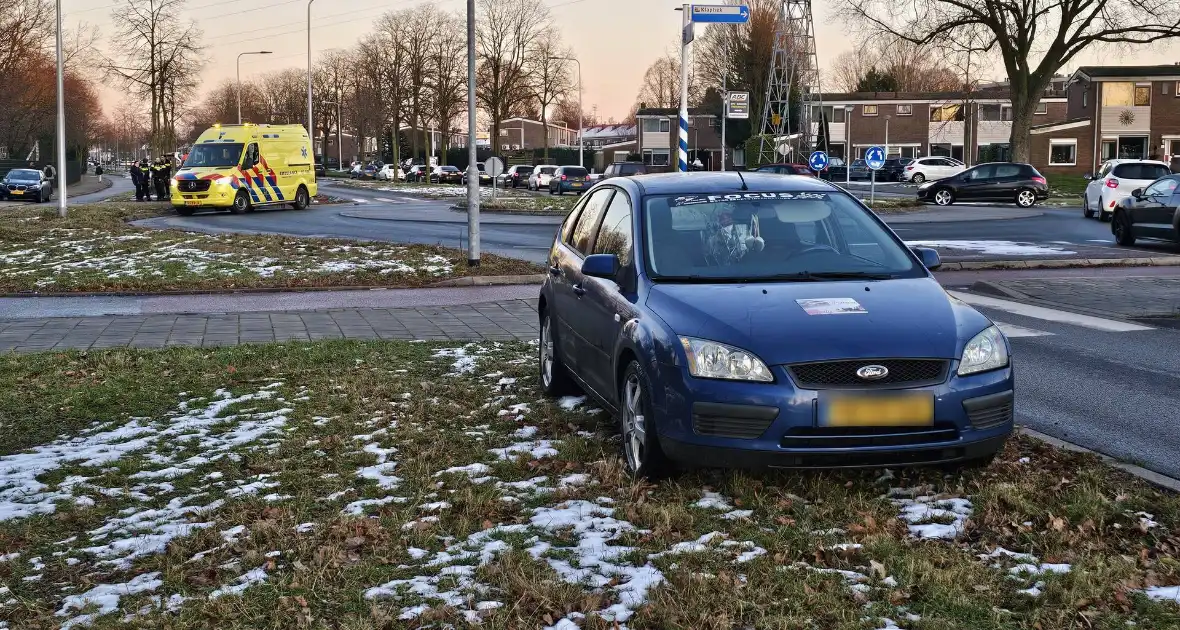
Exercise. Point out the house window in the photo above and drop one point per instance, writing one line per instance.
(659, 157)
(651, 125)
(1042, 108)
(945, 113)
(868, 110)
(665, 125)
(1178, 88)
(990, 112)
(1063, 152)
(503, 133)
(1006, 112)
(905, 110)
(1086, 94)
(1118, 94)
(1109, 149)
(1142, 95)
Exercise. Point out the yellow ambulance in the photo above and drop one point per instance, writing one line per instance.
(241, 167)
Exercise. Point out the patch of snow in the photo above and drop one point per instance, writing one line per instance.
(106, 598)
(569, 403)
(920, 514)
(713, 500)
(358, 508)
(241, 583)
(996, 248)
(1163, 593)
(537, 449)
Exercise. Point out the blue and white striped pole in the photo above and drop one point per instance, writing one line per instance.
(685, 57)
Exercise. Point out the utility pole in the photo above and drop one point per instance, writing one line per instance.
(472, 156)
(310, 128)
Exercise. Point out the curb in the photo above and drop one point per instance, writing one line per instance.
(468, 281)
(1154, 478)
(529, 213)
(994, 288)
(490, 281)
(1064, 263)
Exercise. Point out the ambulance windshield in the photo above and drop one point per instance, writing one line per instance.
(213, 155)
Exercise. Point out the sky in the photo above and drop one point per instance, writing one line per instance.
(615, 39)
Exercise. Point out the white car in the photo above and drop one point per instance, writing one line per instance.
(1115, 181)
(390, 173)
(930, 168)
(540, 177)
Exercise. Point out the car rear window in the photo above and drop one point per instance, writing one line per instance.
(631, 169)
(1140, 171)
(524, 170)
(575, 171)
(546, 170)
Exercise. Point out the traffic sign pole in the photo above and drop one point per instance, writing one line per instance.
(685, 55)
(708, 14)
(874, 159)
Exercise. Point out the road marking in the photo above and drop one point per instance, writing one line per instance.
(384, 200)
(1012, 331)
(361, 200)
(1048, 314)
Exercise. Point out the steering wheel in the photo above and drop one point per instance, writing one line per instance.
(814, 249)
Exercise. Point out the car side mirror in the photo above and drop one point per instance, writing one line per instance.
(928, 256)
(1087, 177)
(601, 266)
(1137, 193)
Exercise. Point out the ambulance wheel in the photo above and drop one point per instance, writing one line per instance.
(184, 211)
(241, 203)
(301, 199)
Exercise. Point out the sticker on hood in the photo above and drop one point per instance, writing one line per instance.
(831, 306)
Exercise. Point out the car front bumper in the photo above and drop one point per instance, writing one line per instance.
(691, 412)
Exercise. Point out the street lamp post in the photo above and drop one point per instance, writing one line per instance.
(61, 122)
(257, 52)
(339, 132)
(580, 144)
(310, 132)
(887, 117)
(849, 152)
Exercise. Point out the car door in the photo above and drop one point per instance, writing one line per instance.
(566, 266)
(973, 183)
(1153, 212)
(1093, 196)
(1006, 179)
(609, 304)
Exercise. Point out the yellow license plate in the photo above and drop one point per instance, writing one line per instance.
(192, 203)
(577, 184)
(877, 410)
(17, 192)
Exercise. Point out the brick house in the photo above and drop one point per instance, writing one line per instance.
(658, 138)
(525, 133)
(1128, 112)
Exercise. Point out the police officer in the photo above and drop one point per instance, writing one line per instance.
(134, 172)
(160, 172)
(145, 179)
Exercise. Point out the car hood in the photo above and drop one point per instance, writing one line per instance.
(902, 318)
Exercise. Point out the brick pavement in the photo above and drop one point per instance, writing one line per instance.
(1132, 296)
(504, 321)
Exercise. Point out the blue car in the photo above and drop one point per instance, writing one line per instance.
(757, 320)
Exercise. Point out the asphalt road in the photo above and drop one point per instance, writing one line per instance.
(1114, 392)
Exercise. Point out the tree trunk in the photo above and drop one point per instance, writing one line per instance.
(544, 134)
(1019, 143)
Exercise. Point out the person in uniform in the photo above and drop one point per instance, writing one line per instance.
(134, 172)
(158, 178)
(145, 178)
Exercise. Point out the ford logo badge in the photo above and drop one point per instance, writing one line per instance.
(873, 372)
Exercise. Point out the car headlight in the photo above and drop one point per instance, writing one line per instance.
(709, 359)
(986, 351)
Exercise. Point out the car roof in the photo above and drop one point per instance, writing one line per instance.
(716, 182)
(1118, 161)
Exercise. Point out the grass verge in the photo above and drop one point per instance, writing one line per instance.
(95, 249)
(390, 485)
(1067, 186)
(526, 204)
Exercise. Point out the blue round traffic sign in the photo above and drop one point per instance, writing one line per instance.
(818, 161)
(875, 157)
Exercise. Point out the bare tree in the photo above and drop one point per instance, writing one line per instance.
(508, 31)
(329, 81)
(1033, 38)
(914, 67)
(393, 64)
(739, 56)
(661, 83)
(550, 78)
(448, 77)
(420, 29)
(159, 50)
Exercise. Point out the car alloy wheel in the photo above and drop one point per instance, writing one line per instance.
(1121, 229)
(918, 178)
(943, 197)
(546, 354)
(555, 380)
(634, 423)
(241, 203)
(1025, 198)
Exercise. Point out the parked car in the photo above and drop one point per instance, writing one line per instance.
(417, 173)
(893, 169)
(320, 171)
(624, 169)
(389, 172)
(996, 181)
(786, 169)
(516, 175)
(446, 175)
(715, 347)
(1114, 182)
(569, 179)
(931, 168)
(484, 178)
(26, 184)
(837, 171)
(1150, 212)
(540, 176)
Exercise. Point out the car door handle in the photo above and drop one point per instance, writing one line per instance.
(578, 290)
(555, 270)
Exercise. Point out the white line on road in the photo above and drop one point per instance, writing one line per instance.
(1012, 331)
(384, 199)
(361, 200)
(1048, 314)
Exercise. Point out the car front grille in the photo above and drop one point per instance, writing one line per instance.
(856, 437)
(17, 187)
(842, 374)
(193, 185)
(990, 411)
(732, 421)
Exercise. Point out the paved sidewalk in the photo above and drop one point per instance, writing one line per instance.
(1128, 296)
(504, 321)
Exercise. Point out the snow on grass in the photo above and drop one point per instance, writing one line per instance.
(104, 599)
(1163, 593)
(996, 248)
(930, 517)
(241, 583)
(713, 501)
(63, 257)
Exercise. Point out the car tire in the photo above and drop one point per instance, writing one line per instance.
(241, 203)
(1026, 198)
(185, 211)
(641, 444)
(944, 197)
(1086, 211)
(1120, 227)
(918, 178)
(555, 379)
(302, 200)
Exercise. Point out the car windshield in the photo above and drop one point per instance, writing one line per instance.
(752, 237)
(24, 174)
(1140, 171)
(213, 155)
(574, 171)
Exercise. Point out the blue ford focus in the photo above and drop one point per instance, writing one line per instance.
(762, 320)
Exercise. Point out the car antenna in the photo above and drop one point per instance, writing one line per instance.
(744, 186)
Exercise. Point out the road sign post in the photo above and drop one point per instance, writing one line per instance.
(818, 161)
(720, 13)
(737, 106)
(494, 167)
(705, 14)
(874, 159)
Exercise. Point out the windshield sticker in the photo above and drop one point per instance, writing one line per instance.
(692, 200)
(831, 306)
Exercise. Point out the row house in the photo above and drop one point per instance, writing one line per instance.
(596, 136)
(1124, 112)
(525, 133)
(658, 140)
(972, 127)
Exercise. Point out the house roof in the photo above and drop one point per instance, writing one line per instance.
(557, 124)
(1072, 123)
(663, 112)
(997, 92)
(608, 131)
(1124, 72)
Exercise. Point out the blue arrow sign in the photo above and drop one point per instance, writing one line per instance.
(720, 13)
(875, 157)
(818, 161)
